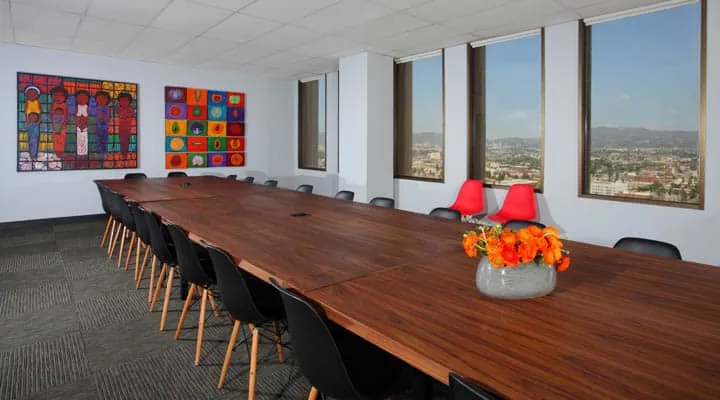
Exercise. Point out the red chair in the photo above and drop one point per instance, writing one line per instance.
(519, 204)
(470, 199)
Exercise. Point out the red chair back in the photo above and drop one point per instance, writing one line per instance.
(519, 204)
(470, 199)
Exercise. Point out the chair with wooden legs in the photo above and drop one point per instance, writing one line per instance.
(116, 204)
(337, 362)
(196, 267)
(129, 231)
(163, 250)
(143, 241)
(252, 301)
(105, 202)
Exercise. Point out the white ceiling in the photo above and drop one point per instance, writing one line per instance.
(278, 38)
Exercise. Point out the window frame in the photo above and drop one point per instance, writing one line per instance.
(477, 140)
(396, 113)
(584, 113)
(300, 136)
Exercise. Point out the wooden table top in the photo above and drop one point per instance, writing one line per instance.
(335, 242)
(157, 189)
(619, 325)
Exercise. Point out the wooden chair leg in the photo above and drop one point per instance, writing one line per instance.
(138, 247)
(133, 238)
(122, 245)
(158, 286)
(152, 277)
(313, 393)
(115, 238)
(214, 306)
(228, 353)
(201, 326)
(185, 310)
(253, 361)
(112, 236)
(166, 302)
(278, 342)
(145, 260)
(107, 229)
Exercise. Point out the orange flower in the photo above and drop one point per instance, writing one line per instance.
(524, 235)
(550, 231)
(564, 264)
(469, 244)
(510, 255)
(535, 231)
(527, 252)
(508, 238)
(549, 258)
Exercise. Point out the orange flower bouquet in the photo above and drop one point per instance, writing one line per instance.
(516, 264)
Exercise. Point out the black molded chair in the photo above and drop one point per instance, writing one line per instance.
(128, 221)
(135, 175)
(249, 179)
(176, 174)
(232, 177)
(649, 246)
(143, 241)
(250, 300)
(305, 188)
(447, 213)
(163, 250)
(196, 267)
(463, 389)
(384, 202)
(116, 204)
(519, 224)
(271, 182)
(105, 202)
(345, 195)
(337, 362)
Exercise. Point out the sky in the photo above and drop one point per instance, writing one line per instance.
(645, 73)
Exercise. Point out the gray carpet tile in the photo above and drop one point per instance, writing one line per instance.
(80, 389)
(79, 242)
(20, 329)
(33, 367)
(28, 249)
(27, 239)
(30, 262)
(35, 298)
(108, 308)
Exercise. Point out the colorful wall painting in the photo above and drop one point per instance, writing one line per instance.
(204, 128)
(69, 123)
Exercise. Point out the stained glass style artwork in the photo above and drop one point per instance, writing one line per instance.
(67, 123)
(204, 128)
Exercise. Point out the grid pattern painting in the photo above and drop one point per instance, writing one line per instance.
(204, 128)
(69, 123)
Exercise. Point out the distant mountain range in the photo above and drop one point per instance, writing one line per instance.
(601, 137)
(606, 136)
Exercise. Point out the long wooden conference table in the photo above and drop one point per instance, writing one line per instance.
(619, 325)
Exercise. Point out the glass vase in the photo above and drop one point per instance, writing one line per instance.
(525, 281)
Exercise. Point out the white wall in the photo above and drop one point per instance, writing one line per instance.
(594, 221)
(353, 123)
(37, 195)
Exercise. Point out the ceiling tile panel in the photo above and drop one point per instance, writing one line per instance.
(246, 53)
(190, 17)
(241, 28)
(232, 5)
(388, 25)
(44, 21)
(200, 50)
(343, 14)
(285, 37)
(6, 31)
(73, 6)
(329, 46)
(442, 10)
(284, 10)
(136, 12)
(105, 37)
(154, 42)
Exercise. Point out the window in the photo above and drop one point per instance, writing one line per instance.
(419, 118)
(311, 124)
(643, 107)
(507, 110)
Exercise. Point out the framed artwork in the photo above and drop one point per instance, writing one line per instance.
(66, 123)
(204, 128)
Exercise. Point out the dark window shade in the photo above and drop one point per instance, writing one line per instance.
(311, 140)
(403, 119)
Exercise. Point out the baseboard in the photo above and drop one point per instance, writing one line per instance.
(53, 221)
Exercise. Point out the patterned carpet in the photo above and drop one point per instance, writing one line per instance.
(74, 327)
